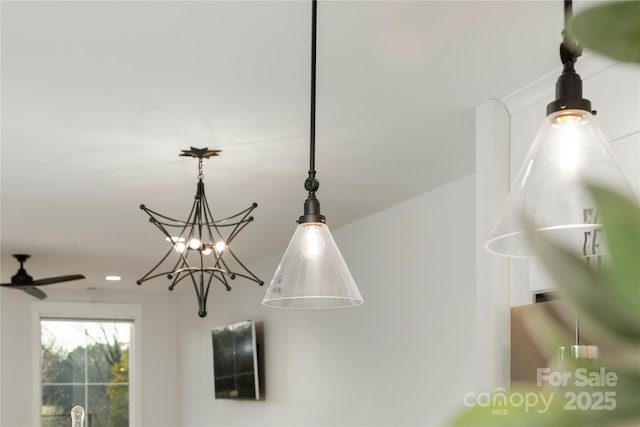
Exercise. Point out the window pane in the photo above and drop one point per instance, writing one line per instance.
(98, 406)
(106, 349)
(85, 363)
(119, 409)
(63, 355)
(99, 364)
(57, 401)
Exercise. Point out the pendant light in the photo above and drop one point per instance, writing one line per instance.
(200, 245)
(312, 272)
(568, 354)
(568, 151)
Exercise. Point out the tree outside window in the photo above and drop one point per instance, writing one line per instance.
(85, 363)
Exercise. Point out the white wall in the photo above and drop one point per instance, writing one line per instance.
(158, 352)
(493, 139)
(405, 357)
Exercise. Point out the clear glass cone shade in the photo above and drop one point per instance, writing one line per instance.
(312, 273)
(568, 151)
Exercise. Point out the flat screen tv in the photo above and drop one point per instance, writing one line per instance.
(235, 361)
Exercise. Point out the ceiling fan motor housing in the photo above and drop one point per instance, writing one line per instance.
(21, 277)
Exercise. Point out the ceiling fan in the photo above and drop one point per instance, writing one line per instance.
(25, 283)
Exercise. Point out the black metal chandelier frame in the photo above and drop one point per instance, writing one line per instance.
(202, 236)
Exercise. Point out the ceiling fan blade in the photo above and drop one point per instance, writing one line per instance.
(58, 279)
(34, 292)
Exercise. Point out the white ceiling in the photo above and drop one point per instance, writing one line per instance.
(98, 99)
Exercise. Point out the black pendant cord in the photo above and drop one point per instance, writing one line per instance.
(570, 49)
(311, 184)
(312, 130)
(569, 84)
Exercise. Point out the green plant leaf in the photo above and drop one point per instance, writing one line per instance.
(587, 288)
(611, 29)
(609, 297)
(621, 219)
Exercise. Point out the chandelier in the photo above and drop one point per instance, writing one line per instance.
(201, 244)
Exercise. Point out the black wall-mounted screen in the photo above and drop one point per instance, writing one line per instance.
(235, 361)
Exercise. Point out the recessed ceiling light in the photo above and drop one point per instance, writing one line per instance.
(113, 278)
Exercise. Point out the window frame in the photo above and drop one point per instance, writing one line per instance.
(88, 311)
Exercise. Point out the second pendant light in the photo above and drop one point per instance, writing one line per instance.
(568, 151)
(312, 272)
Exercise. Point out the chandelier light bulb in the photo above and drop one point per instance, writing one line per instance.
(207, 251)
(174, 239)
(194, 244)
(220, 246)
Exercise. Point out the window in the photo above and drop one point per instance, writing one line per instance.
(88, 355)
(85, 363)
